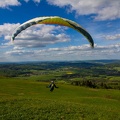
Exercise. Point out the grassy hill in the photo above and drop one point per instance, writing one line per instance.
(28, 99)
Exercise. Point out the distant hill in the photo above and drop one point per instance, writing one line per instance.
(104, 61)
(83, 62)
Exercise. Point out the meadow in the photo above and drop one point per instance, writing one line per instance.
(87, 91)
(29, 99)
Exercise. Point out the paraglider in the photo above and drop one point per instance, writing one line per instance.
(53, 20)
(52, 86)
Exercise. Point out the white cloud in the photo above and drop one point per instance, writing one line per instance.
(66, 53)
(40, 36)
(101, 9)
(7, 3)
(36, 1)
(112, 37)
(35, 36)
(6, 30)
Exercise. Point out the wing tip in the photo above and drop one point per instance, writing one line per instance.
(12, 39)
(92, 45)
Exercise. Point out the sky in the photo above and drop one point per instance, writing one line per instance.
(101, 18)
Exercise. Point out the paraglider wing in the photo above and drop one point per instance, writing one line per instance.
(53, 20)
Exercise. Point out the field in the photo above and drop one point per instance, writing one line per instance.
(22, 99)
(87, 91)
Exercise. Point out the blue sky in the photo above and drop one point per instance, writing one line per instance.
(101, 18)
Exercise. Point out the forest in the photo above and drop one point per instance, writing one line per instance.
(95, 74)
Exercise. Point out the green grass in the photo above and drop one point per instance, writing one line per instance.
(115, 78)
(117, 68)
(27, 99)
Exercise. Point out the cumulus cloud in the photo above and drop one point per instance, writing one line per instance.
(83, 52)
(100, 9)
(36, 36)
(8, 3)
(40, 36)
(36, 1)
(45, 54)
(112, 37)
(6, 30)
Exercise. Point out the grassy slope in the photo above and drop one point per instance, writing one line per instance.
(28, 99)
